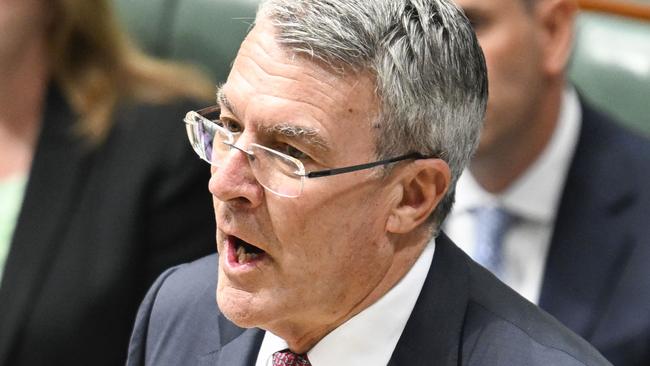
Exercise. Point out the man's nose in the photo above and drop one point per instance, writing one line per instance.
(233, 179)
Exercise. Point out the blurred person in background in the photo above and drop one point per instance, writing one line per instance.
(99, 191)
(555, 201)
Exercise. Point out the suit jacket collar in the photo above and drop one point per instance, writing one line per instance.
(434, 330)
(55, 176)
(587, 251)
(240, 350)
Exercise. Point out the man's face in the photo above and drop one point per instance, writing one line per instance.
(508, 33)
(325, 251)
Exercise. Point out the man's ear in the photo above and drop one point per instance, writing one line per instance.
(421, 185)
(556, 19)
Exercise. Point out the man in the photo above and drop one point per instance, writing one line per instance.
(328, 259)
(562, 185)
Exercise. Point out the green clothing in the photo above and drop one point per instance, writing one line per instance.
(11, 199)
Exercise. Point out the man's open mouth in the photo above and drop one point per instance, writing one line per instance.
(245, 252)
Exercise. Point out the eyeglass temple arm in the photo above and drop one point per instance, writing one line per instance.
(325, 173)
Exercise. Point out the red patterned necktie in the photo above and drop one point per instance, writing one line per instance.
(288, 358)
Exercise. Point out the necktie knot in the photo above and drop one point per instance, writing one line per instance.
(491, 225)
(288, 358)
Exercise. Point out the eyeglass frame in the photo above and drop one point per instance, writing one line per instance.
(301, 173)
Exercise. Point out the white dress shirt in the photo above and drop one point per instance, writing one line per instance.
(534, 198)
(369, 337)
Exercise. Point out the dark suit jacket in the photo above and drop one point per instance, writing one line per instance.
(597, 277)
(97, 226)
(463, 316)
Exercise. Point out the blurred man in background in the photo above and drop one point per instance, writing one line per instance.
(555, 201)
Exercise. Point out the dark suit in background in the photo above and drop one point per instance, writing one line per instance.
(463, 316)
(597, 277)
(97, 226)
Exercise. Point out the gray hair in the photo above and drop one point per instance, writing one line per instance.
(430, 72)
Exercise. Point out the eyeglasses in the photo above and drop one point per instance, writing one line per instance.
(279, 173)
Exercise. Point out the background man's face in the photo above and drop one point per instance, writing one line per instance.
(507, 32)
(325, 250)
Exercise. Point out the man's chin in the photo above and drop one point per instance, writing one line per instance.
(239, 307)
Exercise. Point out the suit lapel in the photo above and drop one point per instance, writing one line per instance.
(587, 251)
(54, 178)
(433, 332)
(240, 347)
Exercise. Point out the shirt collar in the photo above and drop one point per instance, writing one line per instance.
(535, 195)
(369, 337)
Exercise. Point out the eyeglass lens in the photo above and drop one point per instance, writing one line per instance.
(212, 142)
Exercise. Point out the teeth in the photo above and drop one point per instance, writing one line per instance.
(241, 254)
(243, 257)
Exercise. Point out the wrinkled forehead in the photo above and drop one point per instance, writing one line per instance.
(269, 86)
(272, 69)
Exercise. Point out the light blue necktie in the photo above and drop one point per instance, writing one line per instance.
(491, 226)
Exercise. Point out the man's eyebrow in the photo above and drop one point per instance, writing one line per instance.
(308, 135)
(223, 101)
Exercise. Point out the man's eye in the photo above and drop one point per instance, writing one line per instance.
(293, 152)
(229, 125)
